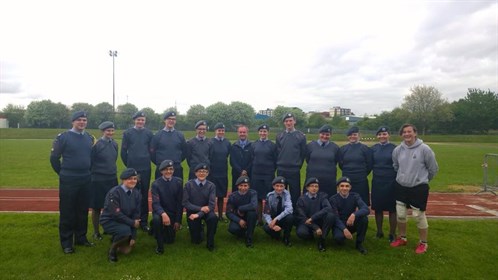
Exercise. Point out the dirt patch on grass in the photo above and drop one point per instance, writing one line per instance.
(464, 188)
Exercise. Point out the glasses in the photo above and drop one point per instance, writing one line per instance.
(202, 171)
(201, 129)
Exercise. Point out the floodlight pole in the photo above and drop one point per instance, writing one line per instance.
(113, 54)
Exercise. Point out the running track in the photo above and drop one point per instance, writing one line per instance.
(444, 205)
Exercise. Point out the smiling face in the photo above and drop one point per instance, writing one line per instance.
(130, 182)
(140, 122)
(201, 131)
(242, 133)
(170, 122)
(263, 134)
(201, 174)
(220, 133)
(79, 124)
(108, 133)
(279, 188)
(344, 188)
(409, 135)
(313, 188)
(168, 172)
(383, 137)
(289, 123)
(243, 188)
(354, 137)
(324, 137)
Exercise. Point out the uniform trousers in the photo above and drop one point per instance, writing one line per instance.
(196, 228)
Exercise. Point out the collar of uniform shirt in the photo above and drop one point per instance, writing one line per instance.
(320, 142)
(219, 139)
(198, 182)
(346, 196)
(289, 131)
(310, 196)
(125, 189)
(169, 129)
(77, 132)
(200, 138)
(138, 128)
(243, 142)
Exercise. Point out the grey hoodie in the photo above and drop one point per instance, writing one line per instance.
(415, 164)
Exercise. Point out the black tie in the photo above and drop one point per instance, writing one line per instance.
(323, 144)
(313, 198)
(279, 205)
(200, 185)
(128, 193)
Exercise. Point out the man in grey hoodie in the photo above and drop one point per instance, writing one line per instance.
(416, 165)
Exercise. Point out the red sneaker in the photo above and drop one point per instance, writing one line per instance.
(421, 248)
(399, 242)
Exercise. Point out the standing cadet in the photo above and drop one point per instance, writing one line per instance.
(355, 161)
(167, 194)
(264, 164)
(198, 148)
(199, 198)
(135, 154)
(278, 211)
(291, 148)
(218, 156)
(314, 214)
(75, 148)
(241, 210)
(240, 156)
(416, 165)
(104, 170)
(121, 215)
(322, 157)
(352, 214)
(169, 143)
(383, 180)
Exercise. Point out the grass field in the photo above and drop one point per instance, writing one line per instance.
(25, 164)
(458, 249)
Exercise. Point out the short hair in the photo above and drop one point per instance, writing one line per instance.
(407, 125)
(242, 125)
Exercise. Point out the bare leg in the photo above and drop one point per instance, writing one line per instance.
(423, 234)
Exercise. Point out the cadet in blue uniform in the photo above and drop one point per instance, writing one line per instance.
(291, 149)
(121, 215)
(264, 164)
(218, 156)
(314, 214)
(199, 198)
(352, 214)
(104, 172)
(75, 148)
(278, 211)
(241, 210)
(240, 156)
(169, 143)
(167, 208)
(135, 154)
(198, 148)
(383, 180)
(355, 161)
(322, 157)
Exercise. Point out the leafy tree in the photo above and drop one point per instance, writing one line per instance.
(194, 114)
(46, 114)
(241, 113)
(278, 114)
(423, 103)
(154, 121)
(15, 115)
(476, 112)
(316, 120)
(124, 115)
(102, 112)
(219, 112)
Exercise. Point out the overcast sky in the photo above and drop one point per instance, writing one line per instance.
(362, 55)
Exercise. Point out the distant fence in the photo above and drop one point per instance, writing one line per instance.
(490, 173)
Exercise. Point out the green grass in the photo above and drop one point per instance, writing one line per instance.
(30, 250)
(25, 164)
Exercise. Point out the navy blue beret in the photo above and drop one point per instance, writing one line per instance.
(199, 123)
(279, 179)
(343, 179)
(105, 125)
(169, 114)
(382, 129)
(286, 116)
(201, 166)
(78, 114)
(241, 180)
(127, 173)
(219, 125)
(263, 126)
(166, 163)
(325, 129)
(138, 115)
(311, 180)
(352, 130)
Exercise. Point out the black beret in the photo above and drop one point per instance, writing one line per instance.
(138, 115)
(325, 129)
(165, 163)
(352, 130)
(279, 179)
(219, 125)
(169, 114)
(311, 180)
(342, 180)
(201, 166)
(105, 125)
(382, 129)
(78, 114)
(127, 173)
(199, 123)
(241, 180)
(263, 126)
(286, 116)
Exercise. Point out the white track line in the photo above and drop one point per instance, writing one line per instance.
(484, 209)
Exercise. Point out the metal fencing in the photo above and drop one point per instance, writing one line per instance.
(490, 174)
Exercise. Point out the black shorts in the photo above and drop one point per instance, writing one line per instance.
(415, 196)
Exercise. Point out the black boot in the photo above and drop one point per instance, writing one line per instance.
(113, 251)
(361, 249)
(321, 245)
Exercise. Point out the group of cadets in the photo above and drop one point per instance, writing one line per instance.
(88, 177)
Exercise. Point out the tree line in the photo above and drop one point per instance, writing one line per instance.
(425, 107)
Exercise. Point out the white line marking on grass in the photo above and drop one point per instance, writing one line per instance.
(484, 209)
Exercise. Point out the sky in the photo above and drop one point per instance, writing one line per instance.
(363, 55)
